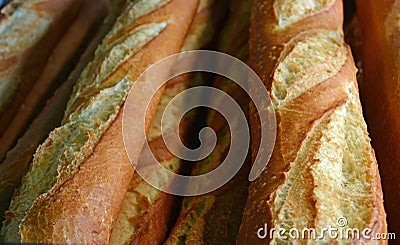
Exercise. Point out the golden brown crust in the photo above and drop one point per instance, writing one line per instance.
(380, 93)
(19, 158)
(93, 197)
(58, 66)
(158, 219)
(298, 189)
(146, 212)
(273, 40)
(81, 211)
(25, 64)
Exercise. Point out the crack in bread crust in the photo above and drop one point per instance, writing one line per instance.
(85, 208)
(96, 75)
(137, 215)
(330, 177)
(323, 166)
(59, 157)
(289, 12)
(318, 56)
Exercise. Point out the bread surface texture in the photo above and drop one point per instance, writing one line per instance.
(323, 168)
(57, 68)
(146, 212)
(17, 161)
(29, 30)
(75, 187)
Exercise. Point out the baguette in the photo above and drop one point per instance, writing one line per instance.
(76, 184)
(29, 30)
(214, 218)
(146, 212)
(323, 167)
(57, 69)
(20, 156)
(379, 93)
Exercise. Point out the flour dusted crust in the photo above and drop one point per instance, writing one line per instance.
(20, 156)
(91, 136)
(323, 166)
(146, 212)
(58, 66)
